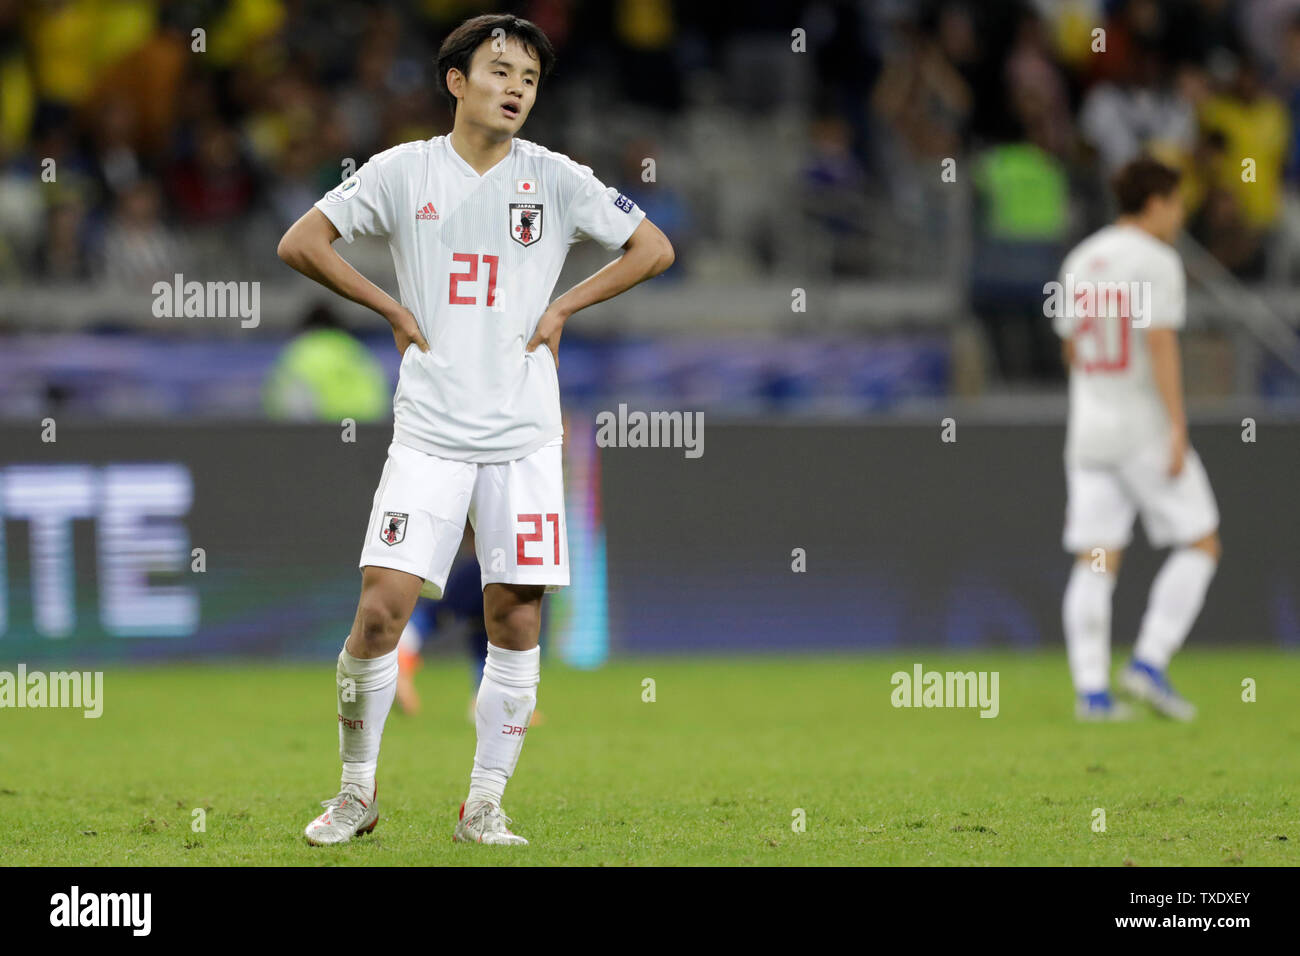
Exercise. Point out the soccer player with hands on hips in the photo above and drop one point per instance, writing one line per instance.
(1127, 451)
(479, 223)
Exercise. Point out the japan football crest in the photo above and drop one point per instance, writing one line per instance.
(525, 222)
(393, 528)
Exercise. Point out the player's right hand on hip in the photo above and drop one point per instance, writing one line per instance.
(406, 330)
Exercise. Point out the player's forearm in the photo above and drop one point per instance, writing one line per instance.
(309, 250)
(1166, 369)
(645, 256)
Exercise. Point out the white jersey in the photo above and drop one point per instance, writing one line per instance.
(1116, 284)
(477, 258)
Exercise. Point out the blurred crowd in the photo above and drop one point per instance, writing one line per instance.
(1039, 102)
(151, 135)
(137, 136)
(818, 137)
(1079, 87)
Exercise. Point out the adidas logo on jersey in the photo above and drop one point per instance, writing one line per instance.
(426, 212)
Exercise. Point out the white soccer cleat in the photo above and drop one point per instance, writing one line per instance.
(1145, 683)
(347, 815)
(485, 824)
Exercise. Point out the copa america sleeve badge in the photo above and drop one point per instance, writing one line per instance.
(345, 190)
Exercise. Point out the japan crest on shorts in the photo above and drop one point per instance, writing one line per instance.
(393, 528)
(525, 222)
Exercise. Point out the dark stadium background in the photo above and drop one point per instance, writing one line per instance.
(798, 155)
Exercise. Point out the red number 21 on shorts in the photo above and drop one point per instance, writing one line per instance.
(522, 540)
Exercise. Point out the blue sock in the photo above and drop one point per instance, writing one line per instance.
(1154, 673)
(477, 643)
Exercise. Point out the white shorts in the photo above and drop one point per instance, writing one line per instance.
(516, 509)
(1102, 502)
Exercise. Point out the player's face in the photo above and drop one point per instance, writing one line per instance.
(501, 86)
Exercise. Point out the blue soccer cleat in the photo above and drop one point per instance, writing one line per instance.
(1146, 683)
(1101, 707)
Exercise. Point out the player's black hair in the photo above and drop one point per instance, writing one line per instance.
(457, 50)
(1140, 179)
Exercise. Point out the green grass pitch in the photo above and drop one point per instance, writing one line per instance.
(712, 772)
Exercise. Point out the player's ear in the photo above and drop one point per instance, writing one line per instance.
(456, 82)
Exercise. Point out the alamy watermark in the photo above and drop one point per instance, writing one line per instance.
(179, 299)
(129, 910)
(923, 688)
(1085, 299)
(82, 690)
(651, 430)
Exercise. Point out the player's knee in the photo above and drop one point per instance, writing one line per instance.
(379, 624)
(514, 616)
(1211, 545)
(518, 624)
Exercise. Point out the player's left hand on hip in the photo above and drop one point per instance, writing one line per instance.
(549, 328)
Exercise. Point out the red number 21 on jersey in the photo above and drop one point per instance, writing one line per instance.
(471, 275)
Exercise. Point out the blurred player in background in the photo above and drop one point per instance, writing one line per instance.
(479, 224)
(460, 613)
(1126, 449)
(460, 609)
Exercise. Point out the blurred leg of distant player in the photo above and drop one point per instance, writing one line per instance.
(476, 645)
(463, 600)
(1085, 614)
(408, 660)
(1099, 515)
(1176, 598)
(1101, 507)
(1177, 595)
(1179, 511)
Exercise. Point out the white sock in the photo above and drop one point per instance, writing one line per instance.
(506, 699)
(1177, 594)
(365, 693)
(1085, 612)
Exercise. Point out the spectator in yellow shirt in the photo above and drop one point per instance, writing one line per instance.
(1255, 129)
